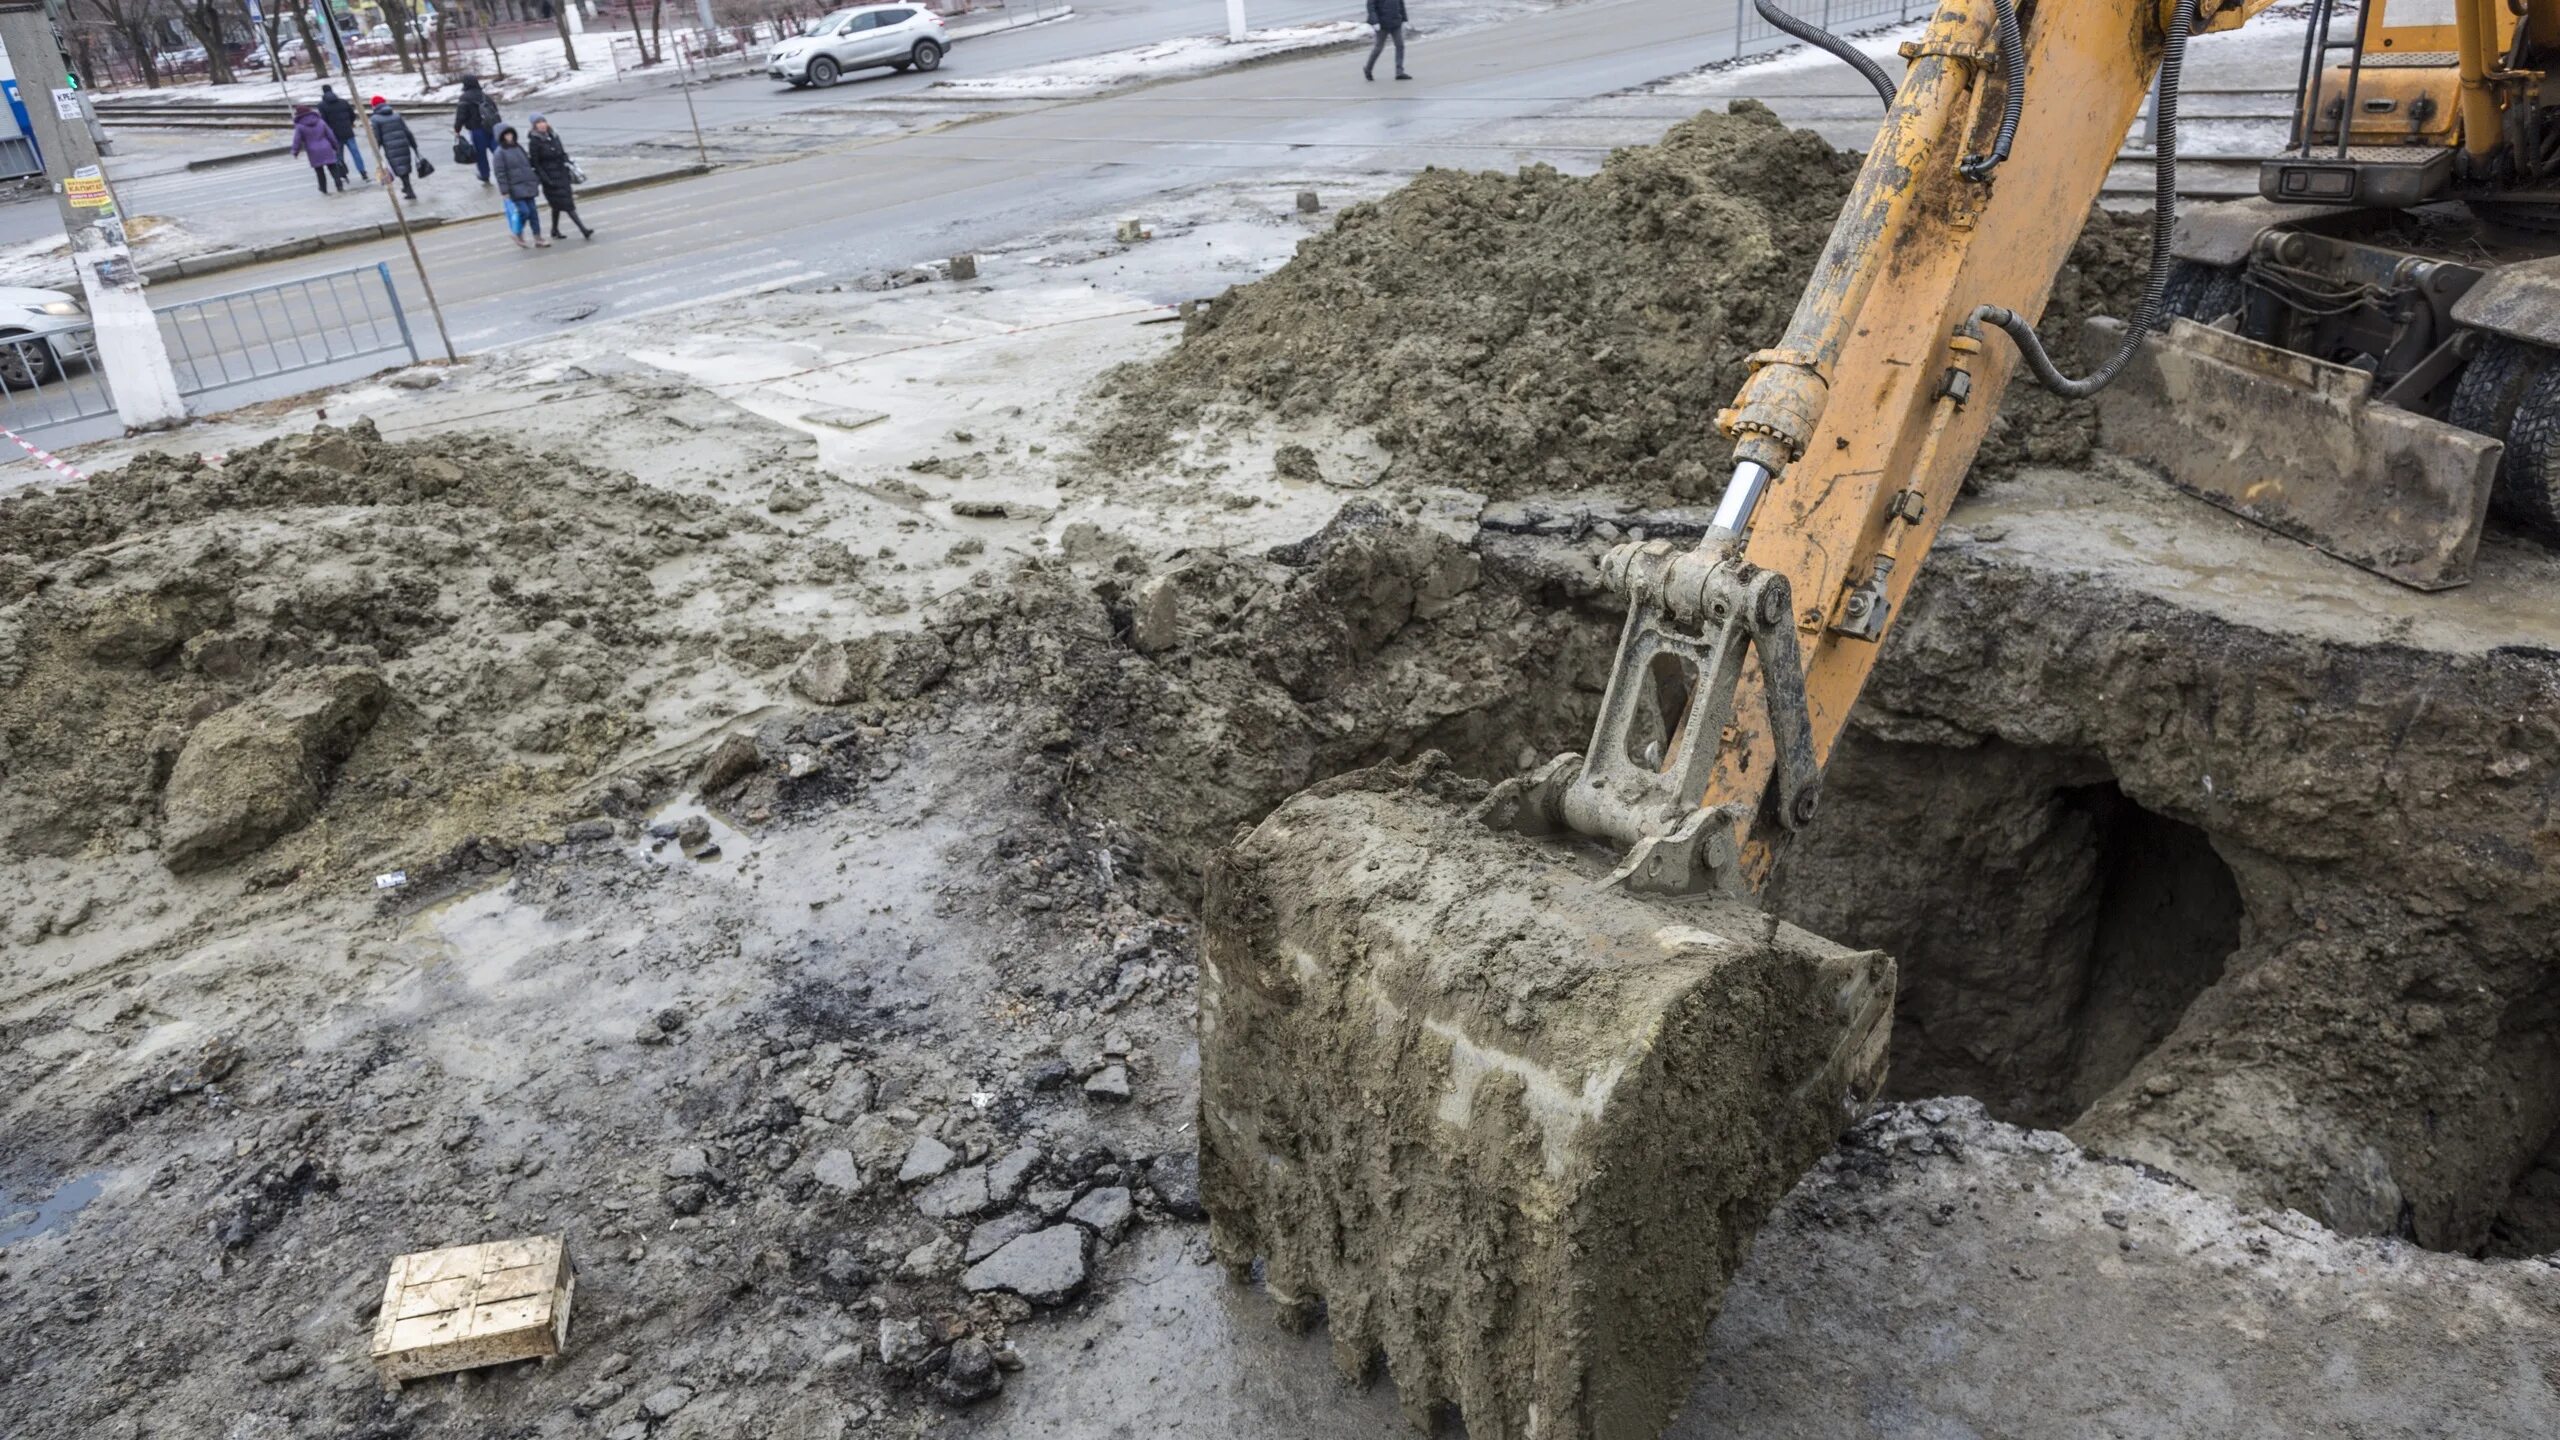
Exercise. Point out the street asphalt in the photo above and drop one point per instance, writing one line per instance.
(861, 207)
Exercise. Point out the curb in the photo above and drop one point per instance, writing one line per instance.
(221, 260)
(1067, 12)
(218, 161)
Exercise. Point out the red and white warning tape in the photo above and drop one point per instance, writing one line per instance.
(45, 458)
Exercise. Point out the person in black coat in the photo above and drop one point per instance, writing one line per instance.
(1388, 16)
(475, 118)
(341, 118)
(399, 145)
(559, 182)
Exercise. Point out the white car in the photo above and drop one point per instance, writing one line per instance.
(901, 37)
(40, 332)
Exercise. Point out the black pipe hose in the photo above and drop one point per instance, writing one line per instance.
(2164, 223)
(1822, 39)
(2013, 64)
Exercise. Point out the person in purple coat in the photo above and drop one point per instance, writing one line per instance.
(313, 142)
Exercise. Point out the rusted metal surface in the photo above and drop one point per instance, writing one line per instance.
(2299, 445)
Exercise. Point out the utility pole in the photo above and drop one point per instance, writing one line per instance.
(130, 349)
(382, 170)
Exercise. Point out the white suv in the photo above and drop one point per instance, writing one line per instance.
(902, 37)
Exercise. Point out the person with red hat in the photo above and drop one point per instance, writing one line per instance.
(399, 147)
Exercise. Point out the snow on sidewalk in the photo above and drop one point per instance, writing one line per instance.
(535, 69)
(1164, 60)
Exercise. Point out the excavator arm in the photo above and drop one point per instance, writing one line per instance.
(1742, 656)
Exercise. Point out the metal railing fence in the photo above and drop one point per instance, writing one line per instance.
(215, 343)
(290, 326)
(1751, 34)
(51, 380)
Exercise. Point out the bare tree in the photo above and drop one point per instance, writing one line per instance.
(657, 31)
(311, 44)
(203, 19)
(395, 13)
(560, 17)
(269, 23)
(640, 37)
(131, 20)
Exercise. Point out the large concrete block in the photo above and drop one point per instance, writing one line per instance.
(1511, 1130)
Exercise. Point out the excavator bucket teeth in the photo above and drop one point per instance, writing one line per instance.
(1506, 1128)
(2300, 446)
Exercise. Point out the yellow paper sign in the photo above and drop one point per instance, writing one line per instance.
(88, 192)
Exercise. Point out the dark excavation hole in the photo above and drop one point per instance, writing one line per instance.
(2050, 931)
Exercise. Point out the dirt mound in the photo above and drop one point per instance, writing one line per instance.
(1542, 332)
(521, 614)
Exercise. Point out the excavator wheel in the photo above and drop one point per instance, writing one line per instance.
(2528, 493)
(2511, 390)
(2202, 292)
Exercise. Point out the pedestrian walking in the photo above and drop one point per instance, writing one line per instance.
(313, 142)
(476, 120)
(559, 174)
(1388, 17)
(342, 127)
(399, 145)
(521, 186)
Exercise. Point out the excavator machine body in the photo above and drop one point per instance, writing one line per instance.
(1502, 1092)
(2368, 356)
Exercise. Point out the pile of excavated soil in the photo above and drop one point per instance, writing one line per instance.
(1540, 332)
(378, 650)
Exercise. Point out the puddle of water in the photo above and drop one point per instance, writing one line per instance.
(657, 842)
(489, 933)
(20, 1221)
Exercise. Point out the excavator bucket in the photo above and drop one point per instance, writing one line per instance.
(2302, 447)
(1505, 1128)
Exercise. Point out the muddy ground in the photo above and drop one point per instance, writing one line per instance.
(798, 839)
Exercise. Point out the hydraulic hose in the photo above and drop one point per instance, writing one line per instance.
(2164, 223)
(1822, 39)
(2013, 64)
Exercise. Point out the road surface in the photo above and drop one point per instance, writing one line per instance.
(911, 197)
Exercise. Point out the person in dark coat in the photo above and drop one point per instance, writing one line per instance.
(559, 183)
(313, 142)
(1388, 17)
(518, 182)
(342, 127)
(475, 116)
(399, 145)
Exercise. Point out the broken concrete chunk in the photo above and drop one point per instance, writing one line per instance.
(994, 1235)
(969, 1374)
(1153, 620)
(932, 1258)
(1005, 1178)
(1111, 1082)
(1595, 1098)
(897, 666)
(960, 1193)
(1106, 1211)
(903, 1345)
(260, 769)
(688, 1162)
(1176, 1181)
(733, 760)
(849, 1097)
(926, 1159)
(837, 1170)
(1045, 1267)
